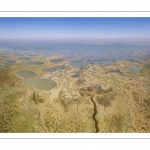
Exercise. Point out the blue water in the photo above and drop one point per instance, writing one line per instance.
(1, 66)
(99, 52)
(35, 63)
(26, 74)
(58, 60)
(44, 84)
(10, 61)
(24, 58)
(56, 68)
(77, 63)
(5, 56)
(104, 62)
(134, 69)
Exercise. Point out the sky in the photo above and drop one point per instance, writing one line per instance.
(75, 29)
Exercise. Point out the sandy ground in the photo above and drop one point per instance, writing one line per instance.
(124, 108)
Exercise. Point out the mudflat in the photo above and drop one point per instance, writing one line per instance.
(107, 96)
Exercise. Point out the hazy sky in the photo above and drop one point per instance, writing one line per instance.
(75, 29)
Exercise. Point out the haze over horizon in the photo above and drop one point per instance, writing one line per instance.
(74, 29)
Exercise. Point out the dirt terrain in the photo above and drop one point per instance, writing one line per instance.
(102, 98)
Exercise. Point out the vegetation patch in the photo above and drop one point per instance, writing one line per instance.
(36, 98)
(94, 89)
(115, 123)
(6, 77)
(106, 99)
(14, 118)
